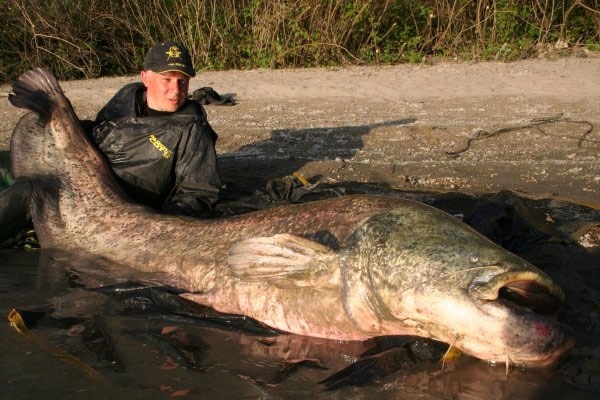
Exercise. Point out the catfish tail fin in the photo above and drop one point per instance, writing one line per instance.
(33, 148)
(34, 91)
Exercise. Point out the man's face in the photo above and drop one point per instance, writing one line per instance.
(167, 91)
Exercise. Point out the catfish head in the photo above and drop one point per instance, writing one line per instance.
(417, 270)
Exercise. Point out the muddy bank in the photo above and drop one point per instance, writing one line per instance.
(530, 126)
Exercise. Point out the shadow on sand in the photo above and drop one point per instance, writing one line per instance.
(288, 150)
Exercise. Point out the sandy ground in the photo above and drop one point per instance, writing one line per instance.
(530, 126)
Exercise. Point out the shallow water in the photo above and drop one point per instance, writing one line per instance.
(128, 342)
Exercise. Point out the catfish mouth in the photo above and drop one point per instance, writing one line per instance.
(525, 290)
(531, 295)
(525, 305)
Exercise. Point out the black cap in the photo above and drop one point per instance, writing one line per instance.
(169, 56)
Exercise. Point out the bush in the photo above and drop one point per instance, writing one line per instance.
(91, 38)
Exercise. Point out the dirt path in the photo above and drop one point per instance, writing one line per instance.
(531, 126)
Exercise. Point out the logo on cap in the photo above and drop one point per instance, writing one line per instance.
(173, 52)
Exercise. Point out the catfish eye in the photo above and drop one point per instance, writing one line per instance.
(473, 259)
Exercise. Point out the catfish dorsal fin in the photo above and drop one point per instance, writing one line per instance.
(284, 260)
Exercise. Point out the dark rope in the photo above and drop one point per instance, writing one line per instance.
(536, 124)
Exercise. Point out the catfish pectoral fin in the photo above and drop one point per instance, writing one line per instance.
(284, 260)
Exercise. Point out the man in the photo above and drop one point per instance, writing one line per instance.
(160, 144)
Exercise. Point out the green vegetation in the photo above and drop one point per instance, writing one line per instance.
(91, 38)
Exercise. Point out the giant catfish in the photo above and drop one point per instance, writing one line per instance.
(348, 268)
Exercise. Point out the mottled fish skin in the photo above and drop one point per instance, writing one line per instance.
(349, 268)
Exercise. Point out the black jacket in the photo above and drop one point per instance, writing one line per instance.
(165, 160)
